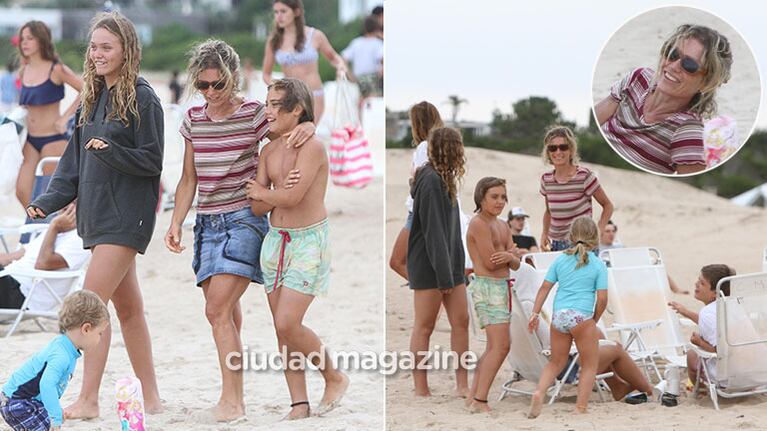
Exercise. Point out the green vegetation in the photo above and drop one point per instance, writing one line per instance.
(521, 131)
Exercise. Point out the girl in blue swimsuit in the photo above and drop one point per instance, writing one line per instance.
(296, 48)
(42, 87)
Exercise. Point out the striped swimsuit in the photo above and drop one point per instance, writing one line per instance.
(568, 201)
(225, 154)
(657, 147)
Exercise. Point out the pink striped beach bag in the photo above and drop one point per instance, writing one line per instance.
(350, 162)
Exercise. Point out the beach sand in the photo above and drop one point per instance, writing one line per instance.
(349, 318)
(638, 43)
(690, 227)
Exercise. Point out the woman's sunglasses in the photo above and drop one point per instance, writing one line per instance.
(560, 147)
(689, 65)
(204, 85)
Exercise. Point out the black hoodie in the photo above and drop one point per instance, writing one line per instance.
(117, 188)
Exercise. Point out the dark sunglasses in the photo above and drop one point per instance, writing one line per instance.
(689, 65)
(560, 147)
(204, 85)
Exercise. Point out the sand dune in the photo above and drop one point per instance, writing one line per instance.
(689, 226)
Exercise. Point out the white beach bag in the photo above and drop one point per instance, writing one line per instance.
(350, 162)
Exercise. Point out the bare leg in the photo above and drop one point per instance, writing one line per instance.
(222, 294)
(288, 321)
(52, 149)
(130, 311)
(108, 267)
(587, 342)
(560, 347)
(457, 309)
(477, 373)
(398, 260)
(628, 375)
(497, 349)
(692, 365)
(26, 179)
(426, 303)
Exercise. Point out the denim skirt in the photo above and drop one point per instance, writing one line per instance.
(229, 243)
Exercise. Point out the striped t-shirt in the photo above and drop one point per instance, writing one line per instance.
(225, 154)
(657, 147)
(568, 201)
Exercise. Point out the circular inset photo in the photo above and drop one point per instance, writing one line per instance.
(676, 91)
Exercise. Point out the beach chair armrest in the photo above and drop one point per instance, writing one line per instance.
(32, 228)
(702, 353)
(38, 273)
(638, 326)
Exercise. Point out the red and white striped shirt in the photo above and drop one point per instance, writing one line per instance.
(225, 154)
(569, 200)
(658, 147)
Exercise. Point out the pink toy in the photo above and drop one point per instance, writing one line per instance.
(130, 404)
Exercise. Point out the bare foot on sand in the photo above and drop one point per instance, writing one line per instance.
(462, 392)
(479, 407)
(227, 412)
(536, 403)
(155, 407)
(334, 391)
(82, 410)
(298, 411)
(580, 410)
(422, 393)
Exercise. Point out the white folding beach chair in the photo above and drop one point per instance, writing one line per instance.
(764, 260)
(741, 342)
(40, 286)
(631, 256)
(528, 356)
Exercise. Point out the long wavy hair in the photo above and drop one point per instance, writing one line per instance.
(275, 37)
(123, 95)
(568, 135)
(584, 236)
(446, 156)
(215, 54)
(716, 59)
(42, 34)
(423, 118)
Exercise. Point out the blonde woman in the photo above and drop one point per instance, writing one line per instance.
(654, 118)
(221, 155)
(112, 166)
(296, 48)
(42, 76)
(567, 189)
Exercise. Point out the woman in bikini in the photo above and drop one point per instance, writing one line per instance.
(42, 87)
(296, 47)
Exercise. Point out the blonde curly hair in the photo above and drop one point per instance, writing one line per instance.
(82, 307)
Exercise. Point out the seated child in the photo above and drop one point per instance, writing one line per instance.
(705, 291)
(30, 398)
(492, 250)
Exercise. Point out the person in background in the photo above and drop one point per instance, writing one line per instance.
(516, 221)
(175, 88)
(366, 55)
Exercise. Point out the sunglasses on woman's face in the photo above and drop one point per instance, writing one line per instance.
(560, 147)
(689, 64)
(204, 85)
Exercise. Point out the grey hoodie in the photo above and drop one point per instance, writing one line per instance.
(117, 188)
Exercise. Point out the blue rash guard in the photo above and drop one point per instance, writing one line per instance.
(45, 376)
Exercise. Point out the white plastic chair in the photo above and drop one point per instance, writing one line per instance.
(741, 349)
(764, 260)
(631, 256)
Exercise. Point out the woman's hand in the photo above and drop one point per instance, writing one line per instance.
(96, 144)
(532, 325)
(302, 133)
(61, 124)
(292, 179)
(545, 243)
(173, 239)
(35, 212)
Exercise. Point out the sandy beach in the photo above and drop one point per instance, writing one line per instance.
(638, 42)
(690, 227)
(349, 318)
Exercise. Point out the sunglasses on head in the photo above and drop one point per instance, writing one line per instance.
(204, 85)
(560, 147)
(689, 65)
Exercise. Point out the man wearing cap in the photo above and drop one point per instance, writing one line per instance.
(525, 244)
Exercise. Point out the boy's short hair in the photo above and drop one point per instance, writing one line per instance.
(296, 93)
(482, 187)
(715, 272)
(82, 307)
(370, 25)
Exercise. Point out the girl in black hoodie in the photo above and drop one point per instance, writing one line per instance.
(112, 167)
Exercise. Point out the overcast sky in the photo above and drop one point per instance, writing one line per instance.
(494, 52)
